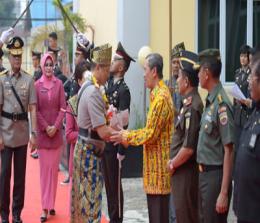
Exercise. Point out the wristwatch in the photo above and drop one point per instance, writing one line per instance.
(34, 133)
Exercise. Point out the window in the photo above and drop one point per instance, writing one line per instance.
(228, 25)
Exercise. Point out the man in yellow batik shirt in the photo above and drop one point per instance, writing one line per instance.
(156, 138)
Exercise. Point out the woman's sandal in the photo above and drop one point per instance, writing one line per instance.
(44, 215)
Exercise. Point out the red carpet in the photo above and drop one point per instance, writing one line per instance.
(32, 209)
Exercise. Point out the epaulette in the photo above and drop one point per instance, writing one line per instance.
(220, 99)
(3, 72)
(25, 72)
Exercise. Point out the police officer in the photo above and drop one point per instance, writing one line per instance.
(36, 58)
(17, 98)
(216, 139)
(118, 95)
(242, 109)
(183, 164)
(247, 166)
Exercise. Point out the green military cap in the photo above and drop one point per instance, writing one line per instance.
(15, 46)
(209, 55)
(101, 54)
(177, 49)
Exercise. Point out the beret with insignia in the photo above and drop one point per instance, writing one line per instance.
(177, 49)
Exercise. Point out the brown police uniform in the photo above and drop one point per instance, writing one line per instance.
(15, 133)
(185, 177)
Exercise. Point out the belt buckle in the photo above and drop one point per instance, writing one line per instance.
(15, 117)
(201, 168)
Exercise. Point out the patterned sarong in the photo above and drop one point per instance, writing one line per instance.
(87, 183)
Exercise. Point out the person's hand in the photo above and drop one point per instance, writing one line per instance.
(1, 143)
(170, 167)
(52, 131)
(6, 35)
(117, 137)
(247, 102)
(222, 203)
(120, 157)
(33, 142)
(82, 39)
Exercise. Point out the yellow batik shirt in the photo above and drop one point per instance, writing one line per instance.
(156, 138)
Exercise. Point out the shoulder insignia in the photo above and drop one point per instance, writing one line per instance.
(220, 99)
(25, 72)
(223, 117)
(187, 101)
(3, 72)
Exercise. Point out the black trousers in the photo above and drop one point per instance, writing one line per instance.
(18, 155)
(110, 168)
(158, 208)
(209, 189)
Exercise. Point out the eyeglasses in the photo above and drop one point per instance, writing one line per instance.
(48, 65)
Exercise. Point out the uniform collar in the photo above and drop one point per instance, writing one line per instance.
(187, 99)
(212, 95)
(116, 79)
(16, 75)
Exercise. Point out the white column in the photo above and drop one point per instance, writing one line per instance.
(222, 38)
(249, 22)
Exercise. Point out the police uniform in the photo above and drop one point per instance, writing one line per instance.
(15, 133)
(118, 95)
(87, 180)
(185, 177)
(247, 177)
(37, 72)
(217, 130)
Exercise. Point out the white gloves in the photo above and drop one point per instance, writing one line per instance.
(82, 40)
(6, 35)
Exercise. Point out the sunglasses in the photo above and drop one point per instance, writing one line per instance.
(48, 65)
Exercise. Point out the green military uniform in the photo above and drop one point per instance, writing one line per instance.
(217, 130)
(14, 130)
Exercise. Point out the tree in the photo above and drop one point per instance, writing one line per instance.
(6, 12)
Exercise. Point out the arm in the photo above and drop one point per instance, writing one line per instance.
(222, 201)
(71, 125)
(104, 132)
(32, 110)
(226, 129)
(62, 106)
(160, 113)
(190, 142)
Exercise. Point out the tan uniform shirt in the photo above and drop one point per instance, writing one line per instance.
(16, 133)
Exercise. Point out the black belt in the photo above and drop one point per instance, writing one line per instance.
(15, 116)
(91, 134)
(207, 168)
